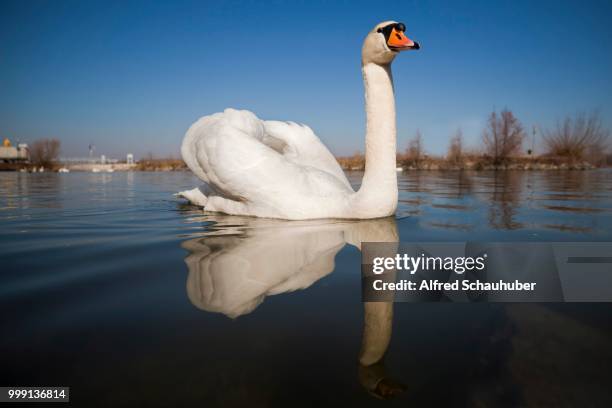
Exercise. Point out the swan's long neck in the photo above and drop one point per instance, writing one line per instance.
(377, 196)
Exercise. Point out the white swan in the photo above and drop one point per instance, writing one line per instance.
(282, 170)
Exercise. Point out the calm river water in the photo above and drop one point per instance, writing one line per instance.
(112, 287)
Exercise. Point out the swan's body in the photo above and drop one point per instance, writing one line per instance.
(264, 168)
(282, 170)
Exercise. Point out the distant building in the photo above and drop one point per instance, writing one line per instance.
(129, 158)
(103, 159)
(10, 153)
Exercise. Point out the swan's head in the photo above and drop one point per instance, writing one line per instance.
(385, 42)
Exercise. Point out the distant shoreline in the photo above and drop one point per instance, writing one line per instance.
(477, 163)
(434, 165)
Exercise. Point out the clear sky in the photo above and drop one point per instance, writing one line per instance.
(131, 76)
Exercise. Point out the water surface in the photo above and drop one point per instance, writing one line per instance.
(112, 287)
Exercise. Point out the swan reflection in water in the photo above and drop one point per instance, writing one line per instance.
(246, 259)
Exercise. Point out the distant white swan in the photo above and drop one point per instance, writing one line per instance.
(282, 170)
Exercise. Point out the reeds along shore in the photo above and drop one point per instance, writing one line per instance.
(476, 162)
(405, 162)
(152, 164)
(357, 163)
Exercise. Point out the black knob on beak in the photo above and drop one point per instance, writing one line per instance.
(400, 27)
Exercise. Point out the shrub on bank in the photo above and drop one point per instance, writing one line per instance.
(161, 165)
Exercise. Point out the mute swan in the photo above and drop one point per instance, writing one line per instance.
(275, 169)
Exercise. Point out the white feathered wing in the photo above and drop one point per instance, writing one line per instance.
(263, 168)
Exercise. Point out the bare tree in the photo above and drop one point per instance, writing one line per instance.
(455, 149)
(503, 136)
(414, 153)
(44, 152)
(579, 138)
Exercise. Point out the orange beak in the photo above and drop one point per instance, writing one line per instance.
(399, 42)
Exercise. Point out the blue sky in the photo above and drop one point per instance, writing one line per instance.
(132, 76)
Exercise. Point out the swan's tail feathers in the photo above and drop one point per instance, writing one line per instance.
(195, 196)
